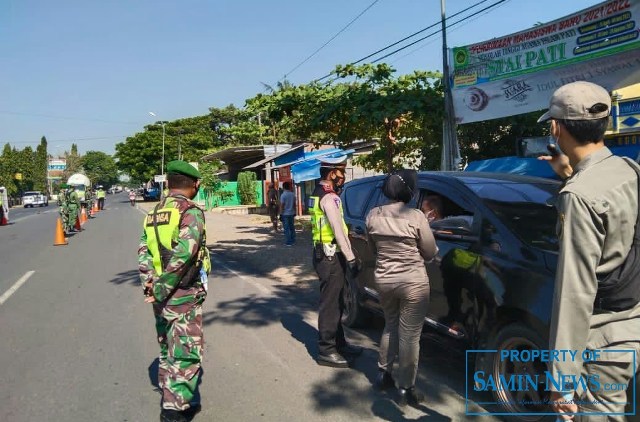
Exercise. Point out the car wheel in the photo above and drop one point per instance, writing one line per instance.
(354, 315)
(519, 337)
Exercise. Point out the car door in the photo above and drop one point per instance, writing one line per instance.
(357, 200)
(452, 274)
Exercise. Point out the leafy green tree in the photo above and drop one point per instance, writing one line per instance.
(140, 156)
(363, 103)
(40, 166)
(498, 137)
(211, 184)
(8, 170)
(74, 164)
(100, 168)
(247, 188)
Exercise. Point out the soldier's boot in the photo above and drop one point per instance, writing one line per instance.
(170, 415)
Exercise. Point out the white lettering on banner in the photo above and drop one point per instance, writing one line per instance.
(514, 74)
(496, 99)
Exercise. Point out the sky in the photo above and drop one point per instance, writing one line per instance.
(89, 72)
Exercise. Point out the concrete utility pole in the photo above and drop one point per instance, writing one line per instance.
(450, 147)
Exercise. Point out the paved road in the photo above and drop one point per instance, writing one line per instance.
(78, 343)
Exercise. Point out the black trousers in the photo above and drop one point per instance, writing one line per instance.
(331, 272)
(100, 203)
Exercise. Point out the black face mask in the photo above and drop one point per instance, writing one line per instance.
(196, 192)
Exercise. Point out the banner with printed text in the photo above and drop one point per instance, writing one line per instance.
(518, 73)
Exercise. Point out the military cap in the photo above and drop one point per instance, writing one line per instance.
(184, 168)
(64, 186)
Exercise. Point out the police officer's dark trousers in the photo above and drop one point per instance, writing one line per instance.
(331, 272)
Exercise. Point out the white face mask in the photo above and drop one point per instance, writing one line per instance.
(430, 216)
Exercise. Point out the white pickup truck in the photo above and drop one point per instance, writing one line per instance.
(34, 198)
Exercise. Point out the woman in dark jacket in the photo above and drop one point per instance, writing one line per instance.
(402, 242)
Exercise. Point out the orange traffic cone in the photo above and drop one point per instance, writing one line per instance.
(59, 238)
(77, 225)
(83, 216)
(95, 208)
(4, 221)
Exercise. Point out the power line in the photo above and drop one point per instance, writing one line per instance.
(437, 32)
(417, 33)
(331, 39)
(431, 42)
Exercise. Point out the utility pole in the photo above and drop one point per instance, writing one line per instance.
(450, 146)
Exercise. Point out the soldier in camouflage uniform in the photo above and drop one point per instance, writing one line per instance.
(73, 205)
(174, 264)
(63, 202)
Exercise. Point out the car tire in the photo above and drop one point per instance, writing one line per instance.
(354, 314)
(517, 336)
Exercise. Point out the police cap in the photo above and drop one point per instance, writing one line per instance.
(184, 168)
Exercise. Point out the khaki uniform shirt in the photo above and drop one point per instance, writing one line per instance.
(330, 204)
(597, 210)
(402, 241)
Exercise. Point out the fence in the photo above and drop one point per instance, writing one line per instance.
(230, 199)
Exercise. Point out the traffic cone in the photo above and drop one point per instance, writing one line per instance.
(4, 220)
(95, 208)
(59, 238)
(77, 226)
(83, 216)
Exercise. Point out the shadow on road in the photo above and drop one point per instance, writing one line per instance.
(441, 375)
(131, 276)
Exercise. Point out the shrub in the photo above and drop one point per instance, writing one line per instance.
(247, 188)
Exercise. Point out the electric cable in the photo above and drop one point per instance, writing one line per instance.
(419, 32)
(331, 39)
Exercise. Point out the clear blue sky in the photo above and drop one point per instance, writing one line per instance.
(90, 71)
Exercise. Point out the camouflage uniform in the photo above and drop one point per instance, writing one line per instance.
(63, 202)
(73, 205)
(178, 310)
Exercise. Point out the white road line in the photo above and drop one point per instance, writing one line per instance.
(263, 289)
(15, 287)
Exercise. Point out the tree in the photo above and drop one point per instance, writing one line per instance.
(73, 160)
(41, 164)
(8, 170)
(363, 103)
(140, 156)
(247, 188)
(100, 168)
(498, 137)
(211, 183)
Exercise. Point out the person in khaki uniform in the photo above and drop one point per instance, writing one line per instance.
(598, 209)
(400, 237)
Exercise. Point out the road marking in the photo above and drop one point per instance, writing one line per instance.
(15, 287)
(258, 286)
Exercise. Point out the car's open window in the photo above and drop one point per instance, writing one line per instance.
(445, 212)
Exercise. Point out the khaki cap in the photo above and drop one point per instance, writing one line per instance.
(576, 101)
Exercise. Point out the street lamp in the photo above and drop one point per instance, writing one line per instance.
(151, 113)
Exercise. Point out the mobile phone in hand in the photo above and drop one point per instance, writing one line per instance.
(553, 149)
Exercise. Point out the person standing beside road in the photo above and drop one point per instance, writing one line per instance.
(272, 199)
(63, 202)
(596, 297)
(332, 255)
(73, 205)
(287, 214)
(4, 210)
(100, 195)
(402, 243)
(174, 264)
